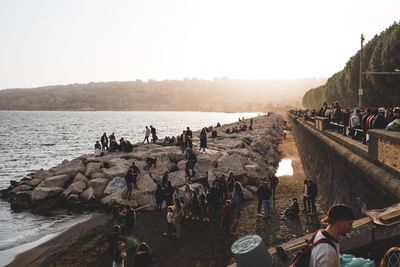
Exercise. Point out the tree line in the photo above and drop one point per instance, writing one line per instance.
(381, 54)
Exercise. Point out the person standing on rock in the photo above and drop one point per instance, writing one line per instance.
(129, 181)
(153, 134)
(130, 220)
(183, 141)
(273, 182)
(189, 132)
(306, 198)
(104, 141)
(168, 193)
(190, 164)
(147, 135)
(312, 194)
(203, 140)
(135, 173)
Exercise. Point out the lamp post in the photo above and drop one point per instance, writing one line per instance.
(360, 90)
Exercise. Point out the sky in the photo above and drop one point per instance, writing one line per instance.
(50, 42)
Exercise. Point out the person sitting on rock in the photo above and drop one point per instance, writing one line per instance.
(250, 127)
(218, 125)
(214, 134)
(97, 150)
(291, 212)
(228, 131)
(151, 161)
(190, 164)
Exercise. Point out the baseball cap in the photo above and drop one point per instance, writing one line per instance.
(340, 212)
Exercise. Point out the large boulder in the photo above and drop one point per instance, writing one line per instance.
(241, 151)
(161, 167)
(233, 162)
(71, 168)
(204, 163)
(145, 183)
(42, 174)
(254, 173)
(92, 168)
(177, 178)
(42, 193)
(145, 199)
(118, 167)
(98, 175)
(80, 178)
(56, 181)
(75, 188)
(98, 186)
(21, 200)
(116, 184)
(88, 194)
(176, 156)
(21, 188)
(33, 182)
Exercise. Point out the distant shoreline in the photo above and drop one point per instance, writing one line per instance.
(124, 110)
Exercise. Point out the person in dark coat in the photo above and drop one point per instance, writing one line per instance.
(190, 164)
(312, 195)
(203, 140)
(130, 219)
(159, 196)
(104, 141)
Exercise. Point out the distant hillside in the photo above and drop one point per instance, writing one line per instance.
(381, 54)
(189, 94)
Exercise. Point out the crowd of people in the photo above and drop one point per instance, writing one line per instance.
(357, 121)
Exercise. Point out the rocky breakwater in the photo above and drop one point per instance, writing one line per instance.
(89, 182)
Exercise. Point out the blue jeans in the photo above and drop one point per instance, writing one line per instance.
(266, 208)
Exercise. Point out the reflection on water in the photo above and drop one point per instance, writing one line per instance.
(284, 168)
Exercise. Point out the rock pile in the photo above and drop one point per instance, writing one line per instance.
(89, 182)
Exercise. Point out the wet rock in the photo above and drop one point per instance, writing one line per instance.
(21, 188)
(3, 193)
(21, 201)
(56, 181)
(14, 183)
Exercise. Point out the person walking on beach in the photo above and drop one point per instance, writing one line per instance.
(104, 141)
(312, 194)
(147, 135)
(326, 253)
(178, 217)
(203, 140)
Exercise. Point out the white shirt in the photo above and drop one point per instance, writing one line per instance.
(169, 217)
(324, 255)
(354, 121)
(147, 132)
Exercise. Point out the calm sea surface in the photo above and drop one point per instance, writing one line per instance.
(30, 140)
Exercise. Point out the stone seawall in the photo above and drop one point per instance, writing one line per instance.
(341, 175)
(89, 182)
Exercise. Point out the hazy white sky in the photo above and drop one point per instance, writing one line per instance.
(46, 42)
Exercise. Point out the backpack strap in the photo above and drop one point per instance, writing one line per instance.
(323, 240)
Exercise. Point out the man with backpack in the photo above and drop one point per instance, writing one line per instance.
(323, 249)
